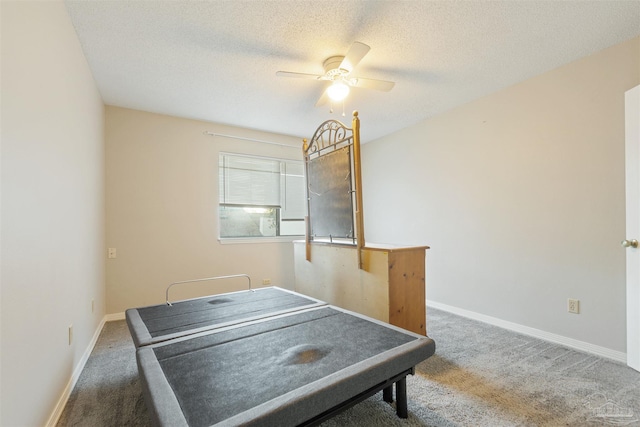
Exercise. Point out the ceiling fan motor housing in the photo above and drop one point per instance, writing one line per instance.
(332, 67)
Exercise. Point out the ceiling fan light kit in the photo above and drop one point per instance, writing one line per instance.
(338, 91)
(337, 70)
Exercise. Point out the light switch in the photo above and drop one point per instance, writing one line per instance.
(112, 252)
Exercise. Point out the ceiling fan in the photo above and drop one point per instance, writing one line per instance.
(337, 70)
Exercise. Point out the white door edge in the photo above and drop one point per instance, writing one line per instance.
(632, 173)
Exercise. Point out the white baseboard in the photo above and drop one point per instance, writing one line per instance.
(114, 316)
(57, 412)
(618, 356)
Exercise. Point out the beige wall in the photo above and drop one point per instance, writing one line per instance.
(521, 197)
(162, 201)
(52, 208)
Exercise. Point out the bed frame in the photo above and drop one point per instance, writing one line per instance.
(304, 373)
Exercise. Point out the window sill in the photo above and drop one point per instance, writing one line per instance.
(243, 240)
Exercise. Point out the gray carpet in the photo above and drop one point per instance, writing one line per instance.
(481, 375)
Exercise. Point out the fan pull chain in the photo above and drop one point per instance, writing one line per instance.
(331, 109)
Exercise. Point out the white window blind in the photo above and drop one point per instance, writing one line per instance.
(249, 181)
(293, 204)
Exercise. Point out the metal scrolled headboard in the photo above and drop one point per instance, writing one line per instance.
(331, 134)
(334, 185)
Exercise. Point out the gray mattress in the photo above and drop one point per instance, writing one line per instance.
(161, 322)
(275, 371)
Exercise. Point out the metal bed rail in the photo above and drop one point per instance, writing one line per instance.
(205, 280)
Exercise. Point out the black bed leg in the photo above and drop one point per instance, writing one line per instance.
(401, 398)
(387, 394)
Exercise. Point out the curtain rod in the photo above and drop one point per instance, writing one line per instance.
(249, 139)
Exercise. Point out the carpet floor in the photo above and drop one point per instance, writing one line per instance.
(481, 375)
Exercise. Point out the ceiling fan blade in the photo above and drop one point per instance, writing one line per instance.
(324, 98)
(382, 85)
(357, 51)
(299, 75)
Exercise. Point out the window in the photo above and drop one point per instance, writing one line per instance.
(260, 197)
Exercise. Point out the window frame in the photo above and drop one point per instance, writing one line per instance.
(278, 213)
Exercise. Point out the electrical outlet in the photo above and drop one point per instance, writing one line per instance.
(266, 281)
(70, 334)
(573, 306)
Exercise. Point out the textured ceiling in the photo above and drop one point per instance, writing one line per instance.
(217, 60)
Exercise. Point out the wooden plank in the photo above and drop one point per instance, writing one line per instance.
(389, 287)
(333, 276)
(407, 294)
(390, 248)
